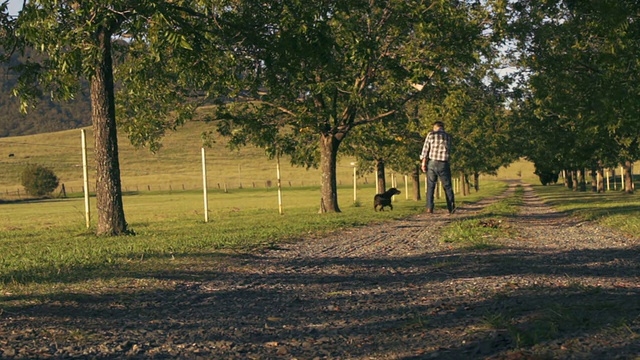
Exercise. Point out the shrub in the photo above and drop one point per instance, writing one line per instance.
(39, 180)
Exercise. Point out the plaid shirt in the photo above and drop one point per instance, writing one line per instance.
(436, 146)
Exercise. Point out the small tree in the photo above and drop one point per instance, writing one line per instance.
(39, 180)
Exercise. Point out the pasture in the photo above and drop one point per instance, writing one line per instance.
(176, 166)
(45, 244)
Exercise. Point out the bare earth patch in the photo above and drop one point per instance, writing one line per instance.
(560, 289)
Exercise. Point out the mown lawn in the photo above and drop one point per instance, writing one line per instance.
(45, 244)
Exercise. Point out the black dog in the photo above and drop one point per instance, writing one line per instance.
(384, 199)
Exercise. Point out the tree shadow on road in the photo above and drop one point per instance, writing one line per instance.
(447, 305)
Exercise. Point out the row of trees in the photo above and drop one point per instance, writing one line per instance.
(581, 107)
(311, 79)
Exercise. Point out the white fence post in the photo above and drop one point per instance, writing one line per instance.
(85, 175)
(204, 186)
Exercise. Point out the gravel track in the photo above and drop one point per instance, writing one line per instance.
(559, 289)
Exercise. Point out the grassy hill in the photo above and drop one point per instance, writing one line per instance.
(176, 166)
(47, 116)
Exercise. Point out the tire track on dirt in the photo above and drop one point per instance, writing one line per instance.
(413, 235)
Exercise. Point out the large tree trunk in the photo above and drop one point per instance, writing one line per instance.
(628, 177)
(415, 178)
(329, 189)
(594, 180)
(111, 219)
(380, 176)
(476, 181)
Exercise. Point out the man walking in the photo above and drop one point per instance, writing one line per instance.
(435, 162)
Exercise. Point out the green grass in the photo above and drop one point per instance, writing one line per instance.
(177, 165)
(45, 243)
(613, 209)
(483, 231)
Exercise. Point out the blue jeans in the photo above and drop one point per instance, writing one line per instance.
(439, 170)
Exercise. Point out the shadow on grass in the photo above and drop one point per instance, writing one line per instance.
(594, 206)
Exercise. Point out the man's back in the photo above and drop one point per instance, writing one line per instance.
(438, 143)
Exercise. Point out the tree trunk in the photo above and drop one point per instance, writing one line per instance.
(594, 180)
(463, 184)
(582, 182)
(628, 177)
(476, 181)
(380, 176)
(415, 177)
(111, 219)
(575, 180)
(568, 179)
(467, 184)
(329, 189)
(601, 179)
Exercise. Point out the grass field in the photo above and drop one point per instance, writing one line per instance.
(177, 165)
(45, 242)
(612, 208)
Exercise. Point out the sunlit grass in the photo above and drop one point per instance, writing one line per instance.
(45, 243)
(484, 230)
(176, 166)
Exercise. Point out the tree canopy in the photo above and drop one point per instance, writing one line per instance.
(580, 58)
(315, 70)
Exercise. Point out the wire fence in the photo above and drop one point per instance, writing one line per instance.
(18, 193)
(192, 183)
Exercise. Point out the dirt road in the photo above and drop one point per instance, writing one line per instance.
(559, 289)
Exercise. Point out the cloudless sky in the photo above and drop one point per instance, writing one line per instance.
(14, 6)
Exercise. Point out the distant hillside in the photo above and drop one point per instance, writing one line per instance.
(46, 117)
(177, 166)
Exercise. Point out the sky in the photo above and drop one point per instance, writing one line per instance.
(14, 6)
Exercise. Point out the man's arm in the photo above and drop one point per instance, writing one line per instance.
(424, 155)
